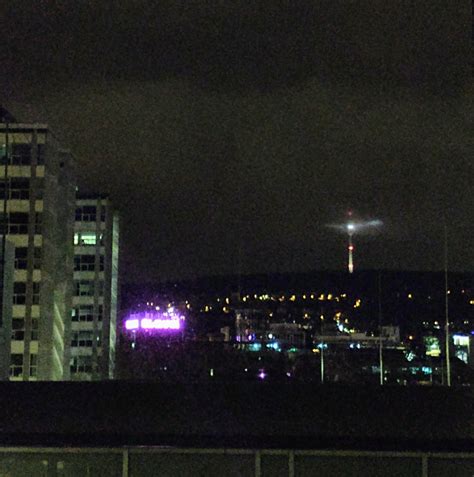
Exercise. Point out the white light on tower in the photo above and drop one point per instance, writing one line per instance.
(350, 228)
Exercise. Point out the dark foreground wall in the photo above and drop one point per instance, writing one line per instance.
(237, 415)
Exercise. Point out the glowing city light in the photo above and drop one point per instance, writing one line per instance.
(153, 320)
(132, 324)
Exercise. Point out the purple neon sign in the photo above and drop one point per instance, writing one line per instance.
(154, 320)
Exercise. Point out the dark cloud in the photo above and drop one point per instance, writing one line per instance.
(240, 43)
(221, 127)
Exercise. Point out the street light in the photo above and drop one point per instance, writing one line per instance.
(446, 305)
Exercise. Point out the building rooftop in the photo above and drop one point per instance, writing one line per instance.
(91, 196)
(6, 116)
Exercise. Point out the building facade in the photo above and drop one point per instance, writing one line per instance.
(7, 251)
(95, 300)
(37, 200)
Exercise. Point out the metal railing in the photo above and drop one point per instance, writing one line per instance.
(162, 461)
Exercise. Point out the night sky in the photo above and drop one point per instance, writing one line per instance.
(233, 132)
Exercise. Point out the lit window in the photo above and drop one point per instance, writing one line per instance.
(85, 238)
(88, 239)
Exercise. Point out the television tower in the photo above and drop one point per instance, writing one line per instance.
(350, 227)
(350, 247)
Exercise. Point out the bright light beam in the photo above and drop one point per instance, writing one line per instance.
(355, 227)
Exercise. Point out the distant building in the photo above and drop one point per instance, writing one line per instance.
(6, 296)
(462, 345)
(37, 182)
(288, 335)
(95, 300)
(250, 325)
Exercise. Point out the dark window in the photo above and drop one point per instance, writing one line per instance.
(38, 222)
(36, 293)
(18, 329)
(17, 223)
(18, 188)
(34, 329)
(83, 313)
(19, 293)
(3, 154)
(84, 263)
(21, 154)
(21, 258)
(21, 261)
(33, 364)
(41, 154)
(16, 365)
(81, 364)
(84, 288)
(82, 339)
(86, 213)
(37, 258)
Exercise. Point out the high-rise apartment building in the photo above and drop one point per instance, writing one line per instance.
(37, 201)
(95, 300)
(6, 296)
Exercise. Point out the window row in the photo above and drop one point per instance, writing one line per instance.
(88, 287)
(86, 313)
(21, 258)
(17, 223)
(88, 213)
(81, 364)
(84, 339)
(18, 188)
(86, 263)
(21, 154)
(19, 293)
(88, 238)
(18, 329)
(16, 365)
